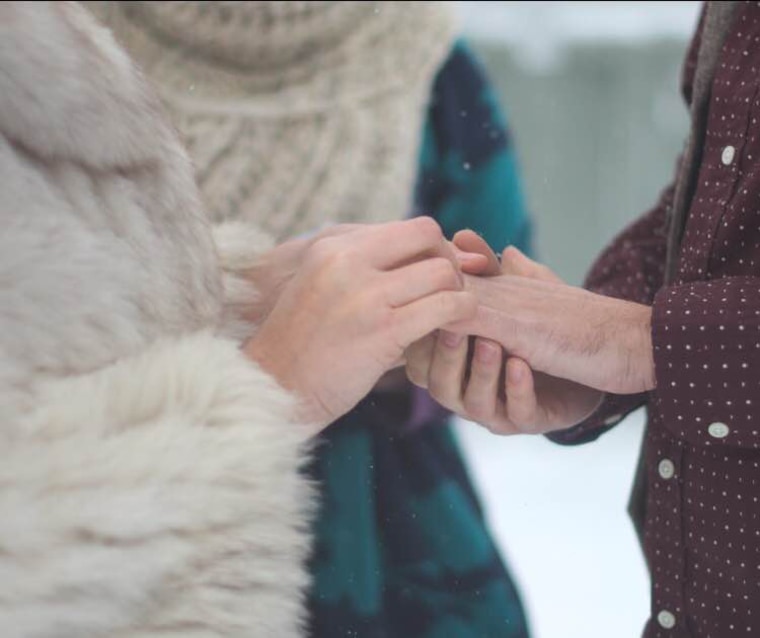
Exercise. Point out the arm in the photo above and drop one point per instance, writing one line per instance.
(633, 268)
(542, 399)
(618, 347)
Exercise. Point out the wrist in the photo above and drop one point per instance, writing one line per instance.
(637, 372)
(307, 410)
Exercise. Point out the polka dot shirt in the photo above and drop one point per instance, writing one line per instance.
(702, 523)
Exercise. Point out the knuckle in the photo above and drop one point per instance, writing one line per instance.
(429, 230)
(444, 274)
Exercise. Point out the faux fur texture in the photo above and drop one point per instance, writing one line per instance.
(158, 497)
(104, 244)
(239, 245)
(149, 480)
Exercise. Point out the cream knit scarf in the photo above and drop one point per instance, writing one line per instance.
(297, 114)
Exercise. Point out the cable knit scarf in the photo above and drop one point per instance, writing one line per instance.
(297, 114)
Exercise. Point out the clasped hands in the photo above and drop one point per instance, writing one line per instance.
(338, 311)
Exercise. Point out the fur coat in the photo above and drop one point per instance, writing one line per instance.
(149, 473)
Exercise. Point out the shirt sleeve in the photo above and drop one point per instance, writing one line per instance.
(706, 339)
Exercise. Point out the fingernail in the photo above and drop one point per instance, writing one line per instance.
(451, 339)
(462, 256)
(486, 352)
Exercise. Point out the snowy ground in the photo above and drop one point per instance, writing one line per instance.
(559, 516)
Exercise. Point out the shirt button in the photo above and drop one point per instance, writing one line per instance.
(718, 430)
(666, 619)
(727, 156)
(666, 469)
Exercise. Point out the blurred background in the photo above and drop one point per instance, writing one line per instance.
(591, 91)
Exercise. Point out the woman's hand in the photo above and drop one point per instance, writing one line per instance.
(359, 299)
(276, 267)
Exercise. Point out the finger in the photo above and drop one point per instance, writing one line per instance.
(469, 241)
(471, 263)
(448, 368)
(522, 404)
(396, 244)
(418, 357)
(515, 262)
(420, 279)
(481, 395)
(419, 318)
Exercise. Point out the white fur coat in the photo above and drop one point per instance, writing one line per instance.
(149, 481)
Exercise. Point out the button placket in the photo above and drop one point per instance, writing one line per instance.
(665, 506)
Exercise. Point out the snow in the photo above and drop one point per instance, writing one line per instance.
(539, 32)
(559, 516)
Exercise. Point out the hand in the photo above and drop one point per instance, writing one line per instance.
(359, 299)
(507, 399)
(568, 332)
(275, 268)
(598, 341)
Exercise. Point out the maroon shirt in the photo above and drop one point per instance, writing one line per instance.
(702, 528)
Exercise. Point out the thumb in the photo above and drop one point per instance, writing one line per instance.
(468, 241)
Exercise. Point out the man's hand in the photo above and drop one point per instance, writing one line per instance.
(358, 300)
(502, 393)
(567, 332)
